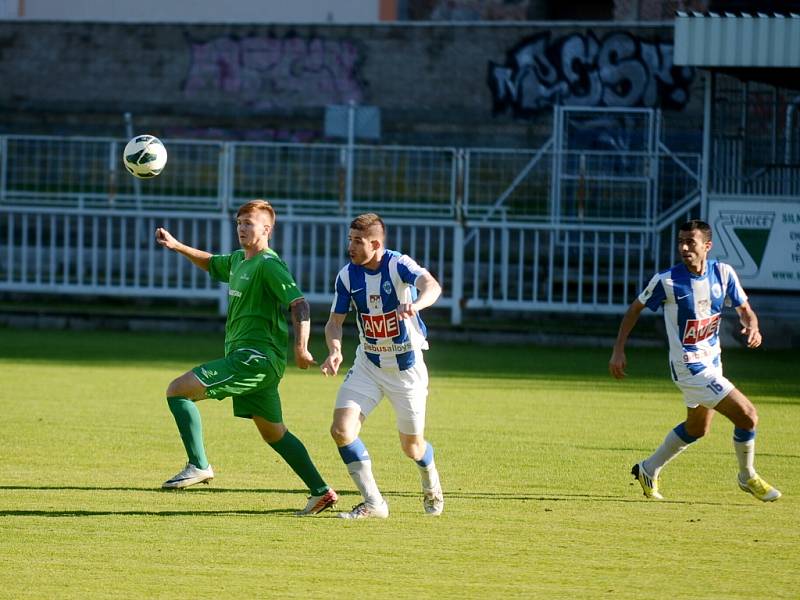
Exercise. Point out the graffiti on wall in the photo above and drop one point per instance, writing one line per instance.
(581, 70)
(266, 72)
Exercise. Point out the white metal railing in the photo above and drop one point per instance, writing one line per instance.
(503, 266)
(562, 267)
(103, 252)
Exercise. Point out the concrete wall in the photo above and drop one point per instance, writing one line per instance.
(478, 82)
(199, 11)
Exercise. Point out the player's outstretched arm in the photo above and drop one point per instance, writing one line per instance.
(199, 258)
(301, 321)
(749, 321)
(429, 292)
(618, 362)
(333, 338)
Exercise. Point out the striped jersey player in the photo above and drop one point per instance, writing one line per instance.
(693, 294)
(385, 339)
(692, 312)
(385, 290)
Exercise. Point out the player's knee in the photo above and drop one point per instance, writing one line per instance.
(698, 430)
(413, 449)
(413, 453)
(749, 419)
(745, 415)
(341, 434)
(272, 433)
(174, 388)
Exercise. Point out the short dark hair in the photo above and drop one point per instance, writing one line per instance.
(367, 222)
(698, 225)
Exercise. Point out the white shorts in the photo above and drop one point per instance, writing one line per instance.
(707, 388)
(365, 385)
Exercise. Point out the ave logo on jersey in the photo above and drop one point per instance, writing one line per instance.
(381, 326)
(697, 330)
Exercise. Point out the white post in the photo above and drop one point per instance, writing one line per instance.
(3, 167)
(287, 239)
(555, 172)
(225, 170)
(457, 293)
(137, 185)
(113, 161)
(708, 93)
(351, 135)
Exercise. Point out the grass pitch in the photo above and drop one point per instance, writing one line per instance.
(534, 447)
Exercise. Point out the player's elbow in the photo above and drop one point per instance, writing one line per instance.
(300, 309)
(432, 290)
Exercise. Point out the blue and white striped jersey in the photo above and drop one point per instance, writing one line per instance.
(386, 340)
(692, 312)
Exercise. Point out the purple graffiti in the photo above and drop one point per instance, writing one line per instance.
(580, 70)
(266, 72)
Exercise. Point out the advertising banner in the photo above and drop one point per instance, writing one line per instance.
(759, 238)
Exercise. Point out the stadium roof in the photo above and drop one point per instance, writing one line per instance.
(759, 47)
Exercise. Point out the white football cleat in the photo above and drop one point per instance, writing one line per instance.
(190, 475)
(433, 502)
(365, 511)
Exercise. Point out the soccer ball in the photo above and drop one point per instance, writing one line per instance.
(144, 156)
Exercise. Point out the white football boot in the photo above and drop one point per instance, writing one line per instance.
(190, 475)
(433, 502)
(365, 511)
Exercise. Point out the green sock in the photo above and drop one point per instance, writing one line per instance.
(296, 456)
(190, 426)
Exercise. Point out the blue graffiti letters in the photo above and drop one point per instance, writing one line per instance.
(580, 70)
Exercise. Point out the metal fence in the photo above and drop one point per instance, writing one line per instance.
(331, 179)
(491, 265)
(756, 138)
(546, 229)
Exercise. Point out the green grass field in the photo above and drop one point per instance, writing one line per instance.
(534, 446)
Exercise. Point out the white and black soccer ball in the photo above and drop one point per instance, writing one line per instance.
(144, 156)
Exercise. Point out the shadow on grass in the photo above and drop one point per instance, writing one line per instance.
(564, 497)
(158, 490)
(142, 513)
(649, 450)
(457, 495)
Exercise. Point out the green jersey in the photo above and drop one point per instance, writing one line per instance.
(259, 291)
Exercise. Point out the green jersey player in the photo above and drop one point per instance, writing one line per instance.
(260, 288)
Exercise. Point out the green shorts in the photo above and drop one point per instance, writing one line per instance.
(251, 377)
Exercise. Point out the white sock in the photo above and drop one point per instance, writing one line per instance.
(429, 477)
(745, 454)
(669, 449)
(361, 472)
